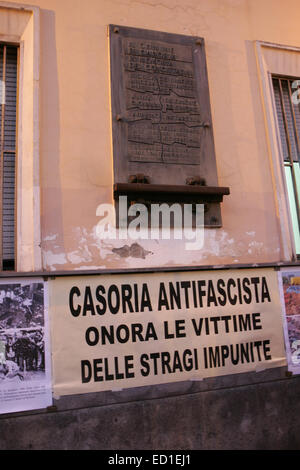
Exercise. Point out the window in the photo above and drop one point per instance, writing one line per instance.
(20, 226)
(288, 117)
(8, 116)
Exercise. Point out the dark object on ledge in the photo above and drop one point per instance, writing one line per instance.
(139, 178)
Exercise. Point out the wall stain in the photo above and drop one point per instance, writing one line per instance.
(135, 251)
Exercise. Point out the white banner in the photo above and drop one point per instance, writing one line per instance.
(118, 331)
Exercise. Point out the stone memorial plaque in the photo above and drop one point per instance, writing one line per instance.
(161, 120)
(160, 106)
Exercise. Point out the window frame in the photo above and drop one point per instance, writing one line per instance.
(289, 161)
(21, 27)
(266, 71)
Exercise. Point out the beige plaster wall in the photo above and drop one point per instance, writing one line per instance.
(76, 169)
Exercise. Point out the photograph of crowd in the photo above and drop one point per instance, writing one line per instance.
(22, 345)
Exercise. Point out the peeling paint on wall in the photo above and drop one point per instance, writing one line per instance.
(87, 251)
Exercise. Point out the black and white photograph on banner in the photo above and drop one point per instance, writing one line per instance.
(24, 368)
